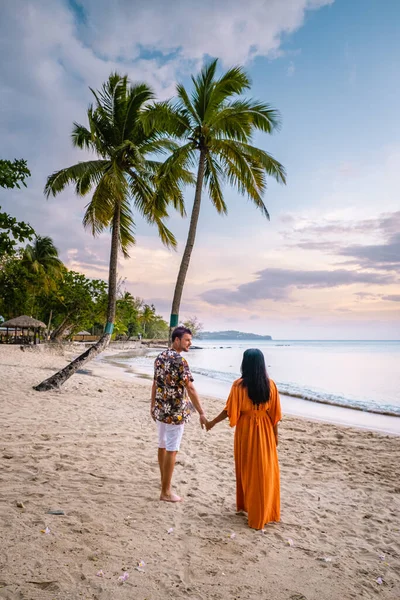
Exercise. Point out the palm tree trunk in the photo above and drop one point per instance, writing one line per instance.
(58, 333)
(180, 282)
(56, 380)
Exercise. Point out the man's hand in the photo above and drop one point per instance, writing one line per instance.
(152, 413)
(203, 420)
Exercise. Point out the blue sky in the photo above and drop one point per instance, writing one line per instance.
(327, 264)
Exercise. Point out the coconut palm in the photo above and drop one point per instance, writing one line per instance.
(123, 176)
(216, 125)
(148, 315)
(41, 258)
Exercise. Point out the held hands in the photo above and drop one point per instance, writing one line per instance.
(203, 420)
(205, 423)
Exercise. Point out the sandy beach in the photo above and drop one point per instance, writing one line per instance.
(89, 450)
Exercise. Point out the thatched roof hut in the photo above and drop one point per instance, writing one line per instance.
(24, 322)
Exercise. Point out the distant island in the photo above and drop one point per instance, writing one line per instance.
(231, 335)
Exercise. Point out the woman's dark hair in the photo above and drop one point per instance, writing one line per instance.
(179, 332)
(255, 377)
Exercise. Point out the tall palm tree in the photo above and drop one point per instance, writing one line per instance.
(124, 175)
(216, 125)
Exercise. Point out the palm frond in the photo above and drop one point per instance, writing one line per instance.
(232, 83)
(203, 88)
(100, 210)
(166, 117)
(271, 166)
(82, 137)
(161, 145)
(166, 236)
(186, 107)
(110, 101)
(240, 118)
(138, 96)
(92, 169)
(214, 175)
(127, 227)
(242, 171)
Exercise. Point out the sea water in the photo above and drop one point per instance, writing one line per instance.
(317, 379)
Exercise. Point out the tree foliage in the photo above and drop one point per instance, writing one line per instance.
(13, 173)
(194, 325)
(13, 232)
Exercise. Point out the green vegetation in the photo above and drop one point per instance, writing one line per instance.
(12, 232)
(35, 282)
(13, 173)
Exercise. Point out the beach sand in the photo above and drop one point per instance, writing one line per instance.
(90, 451)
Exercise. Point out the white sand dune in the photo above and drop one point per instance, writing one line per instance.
(90, 451)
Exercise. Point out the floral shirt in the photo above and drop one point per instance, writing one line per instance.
(171, 374)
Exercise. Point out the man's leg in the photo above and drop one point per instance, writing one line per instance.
(161, 457)
(168, 469)
(173, 439)
(162, 439)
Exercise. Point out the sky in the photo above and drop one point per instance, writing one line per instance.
(326, 265)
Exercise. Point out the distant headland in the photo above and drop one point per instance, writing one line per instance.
(231, 335)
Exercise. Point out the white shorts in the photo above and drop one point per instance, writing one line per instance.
(170, 436)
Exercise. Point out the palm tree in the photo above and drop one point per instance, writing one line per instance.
(41, 258)
(147, 316)
(216, 125)
(123, 175)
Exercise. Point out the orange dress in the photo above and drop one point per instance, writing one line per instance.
(256, 456)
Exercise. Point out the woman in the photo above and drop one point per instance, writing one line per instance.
(254, 408)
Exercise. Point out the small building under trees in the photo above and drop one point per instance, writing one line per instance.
(21, 330)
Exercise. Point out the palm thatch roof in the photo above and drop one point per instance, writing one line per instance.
(83, 333)
(23, 322)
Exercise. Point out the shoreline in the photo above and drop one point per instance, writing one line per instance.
(90, 450)
(296, 406)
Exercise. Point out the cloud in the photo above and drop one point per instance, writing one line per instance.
(366, 295)
(381, 256)
(190, 30)
(277, 284)
(53, 50)
(392, 297)
(376, 256)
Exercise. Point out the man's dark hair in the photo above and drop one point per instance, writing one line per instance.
(179, 332)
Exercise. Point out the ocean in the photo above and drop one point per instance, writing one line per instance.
(351, 382)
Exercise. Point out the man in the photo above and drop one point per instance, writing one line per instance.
(170, 406)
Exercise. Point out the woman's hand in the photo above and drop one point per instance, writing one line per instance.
(209, 425)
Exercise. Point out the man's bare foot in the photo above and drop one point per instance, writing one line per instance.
(170, 498)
